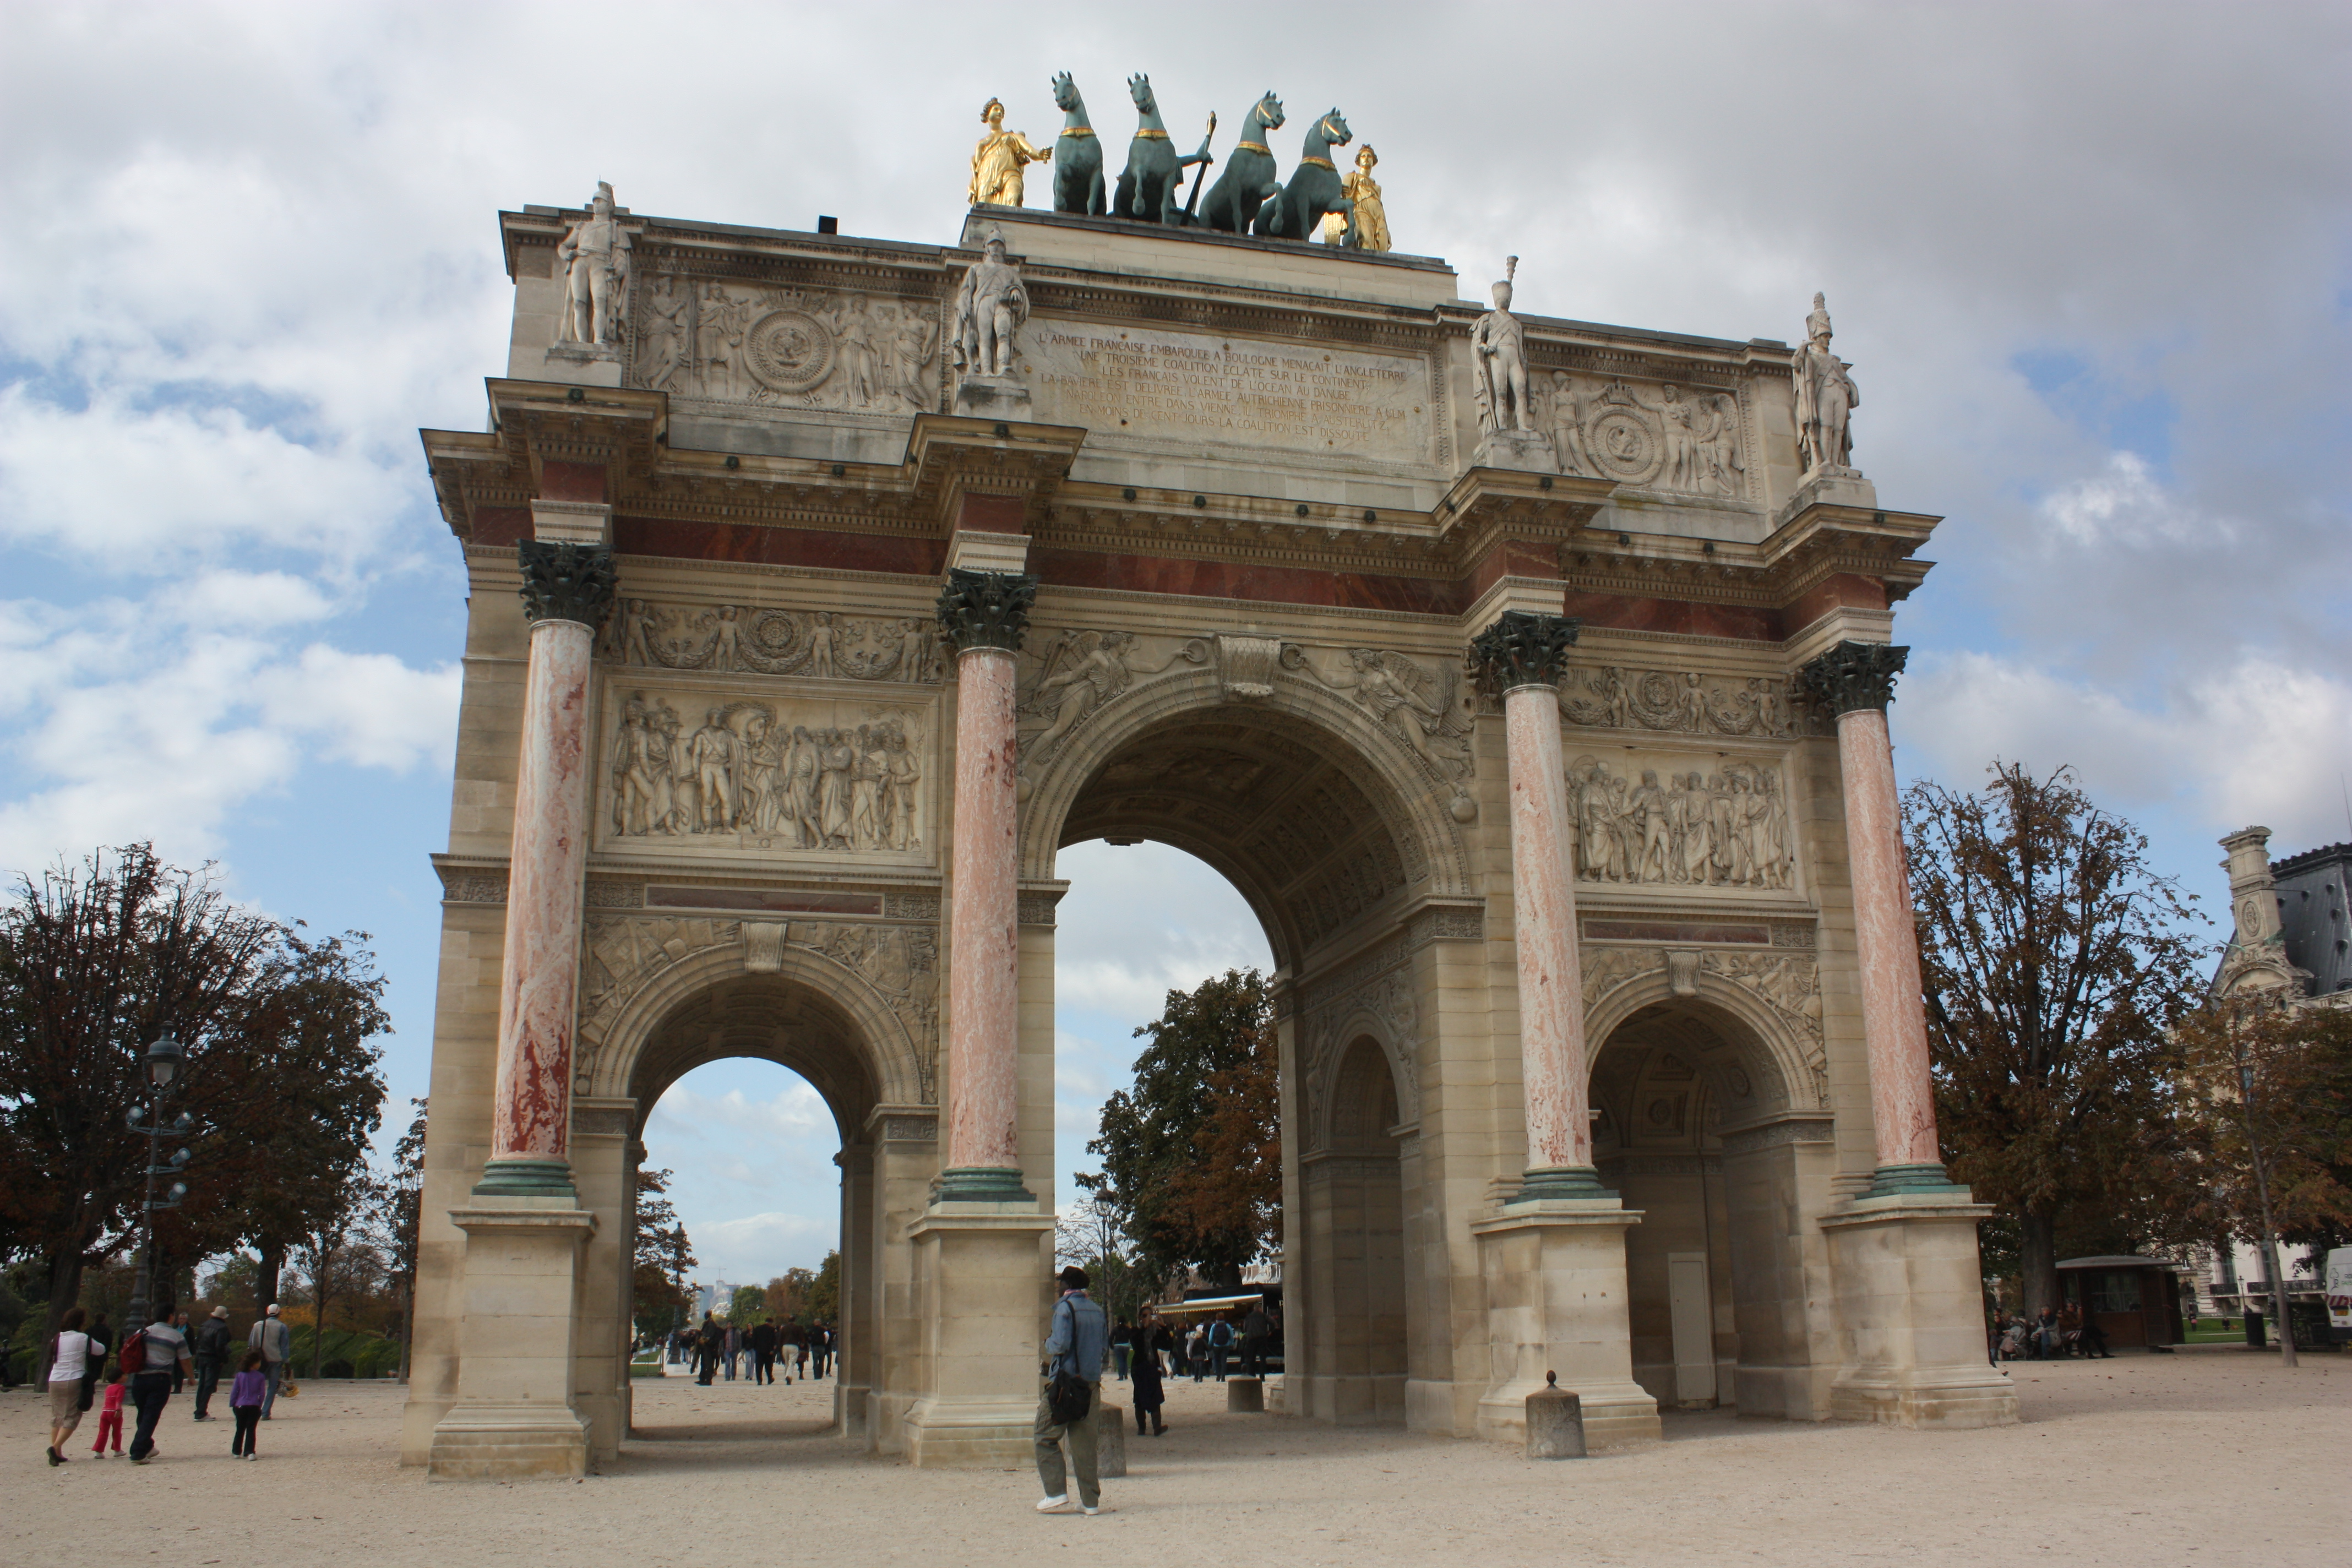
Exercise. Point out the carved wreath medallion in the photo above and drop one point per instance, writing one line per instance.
(788, 350)
(1623, 443)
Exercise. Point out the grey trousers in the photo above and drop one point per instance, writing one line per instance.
(1081, 1434)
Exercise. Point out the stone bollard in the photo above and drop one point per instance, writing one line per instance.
(1246, 1394)
(1110, 1439)
(1555, 1422)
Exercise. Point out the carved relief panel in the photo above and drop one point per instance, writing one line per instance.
(729, 639)
(1681, 820)
(733, 342)
(1681, 701)
(1680, 440)
(720, 767)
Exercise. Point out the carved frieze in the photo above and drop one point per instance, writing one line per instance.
(1792, 986)
(1678, 701)
(1684, 822)
(812, 774)
(733, 342)
(729, 639)
(1680, 440)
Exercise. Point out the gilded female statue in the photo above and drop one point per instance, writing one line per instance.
(1371, 223)
(997, 162)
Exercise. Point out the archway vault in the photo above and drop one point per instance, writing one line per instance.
(1319, 815)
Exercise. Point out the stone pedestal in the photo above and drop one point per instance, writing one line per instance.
(1529, 451)
(1554, 1276)
(1911, 1333)
(1829, 487)
(513, 1417)
(991, 397)
(1110, 1439)
(982, 1278)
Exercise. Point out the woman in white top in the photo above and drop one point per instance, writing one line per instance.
(76, 1351)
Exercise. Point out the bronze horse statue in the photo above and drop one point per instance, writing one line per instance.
(1249, 177)
(1296, 210)
(1077, 156)
(1148, 187)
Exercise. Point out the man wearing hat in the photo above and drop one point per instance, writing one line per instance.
(1078, 1343)
(212, 1356)
(275, 1341)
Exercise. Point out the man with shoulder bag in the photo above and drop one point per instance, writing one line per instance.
(1076, 1346)
(275, 1341)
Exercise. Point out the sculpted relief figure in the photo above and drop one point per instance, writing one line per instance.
(743, 773)
(593, 261)
(990, 307)
(1081, 671)
(1825, 398)
(1615, 699)
(997, 162)
(1419, 706)
(662, 341)
(1729, 829)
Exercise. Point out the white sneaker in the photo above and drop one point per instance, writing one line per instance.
(1099, 1508)
(1055, 1504)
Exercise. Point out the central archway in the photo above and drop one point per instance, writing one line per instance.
(1337, 831)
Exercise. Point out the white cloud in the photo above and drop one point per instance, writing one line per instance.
(2125, 505)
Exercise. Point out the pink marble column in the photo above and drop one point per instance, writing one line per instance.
(1858, 681)
(1526, 654)
(566, 589)
(984, 614)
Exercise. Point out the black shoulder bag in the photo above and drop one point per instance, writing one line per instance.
(1068, 1398)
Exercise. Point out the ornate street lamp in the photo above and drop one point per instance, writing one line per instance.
(163, 1061)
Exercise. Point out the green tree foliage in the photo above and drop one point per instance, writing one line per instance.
(2056, 963)
(96, 963)
(403, 1225)
(1191, 1155)
(661, 1256)
(747, 1306)
(825, 1291)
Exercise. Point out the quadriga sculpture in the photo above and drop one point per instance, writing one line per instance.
(1250, 177)
(1148, 187)
(1077, 156)
(1296, 210)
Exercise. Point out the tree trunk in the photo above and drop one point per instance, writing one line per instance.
(269, 1263)
(2037, 1252)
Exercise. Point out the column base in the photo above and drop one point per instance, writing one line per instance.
(981, 1184)
(1554, 1272)
(1571, 1184)
(526, 1179)
(1910, 1295)
(1903, 1181)
(508, 1442)
(981, 1286)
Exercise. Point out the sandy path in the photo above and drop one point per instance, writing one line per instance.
(2213, 1456)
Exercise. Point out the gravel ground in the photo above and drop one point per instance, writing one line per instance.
(2215, 1456)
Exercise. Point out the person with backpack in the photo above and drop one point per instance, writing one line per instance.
(275, 1341)
(245, 1397)
(150, 1356)
(212, 1360)
(1076, 1346)
(109, 1415)
(1221, 1346)
(74, 1357)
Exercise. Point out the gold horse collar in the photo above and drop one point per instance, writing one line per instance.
(1145, 131)
(1077, 129)
(1253, 147)
(1324, 163)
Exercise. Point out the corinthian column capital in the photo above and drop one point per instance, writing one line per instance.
(1526, 650)
(986, 609)
(1853, 676)
(566, 582)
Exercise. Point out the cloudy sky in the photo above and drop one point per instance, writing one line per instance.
(2090, 264)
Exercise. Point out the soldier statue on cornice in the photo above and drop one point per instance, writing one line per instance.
(1826, 397)
(593, 260)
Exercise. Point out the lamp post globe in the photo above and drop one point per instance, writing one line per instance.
(164, 1060)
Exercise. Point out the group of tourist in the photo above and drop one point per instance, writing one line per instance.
(714, 1348)
(2054, 1333)
(86, 1369)
(1149, 1351)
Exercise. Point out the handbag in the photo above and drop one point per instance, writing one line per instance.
(1068, 1399)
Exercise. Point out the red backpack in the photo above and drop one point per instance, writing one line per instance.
(134, 1360)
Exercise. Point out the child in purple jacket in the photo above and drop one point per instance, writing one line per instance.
(245, 1396)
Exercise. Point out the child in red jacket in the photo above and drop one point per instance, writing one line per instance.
(109, 1415)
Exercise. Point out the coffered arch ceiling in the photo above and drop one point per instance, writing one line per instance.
(1282, 809)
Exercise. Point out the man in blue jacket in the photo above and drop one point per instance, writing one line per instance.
(1077, 1343)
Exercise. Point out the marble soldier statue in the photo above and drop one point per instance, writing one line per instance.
(990, 306)
(1499, 349)
(1825, 397)
(997, 162)
(593, 258)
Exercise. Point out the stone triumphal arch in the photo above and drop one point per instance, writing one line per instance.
(1540, 717)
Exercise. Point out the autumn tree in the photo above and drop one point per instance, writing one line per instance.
(825, 1290)
(2272, 1093)
(2055, 963)
(98, 960)
(1191, 1155)
(403, 1224)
